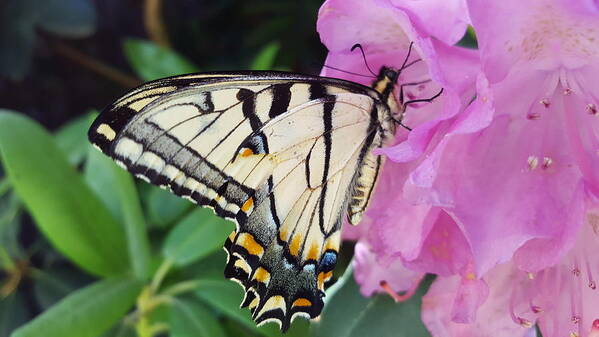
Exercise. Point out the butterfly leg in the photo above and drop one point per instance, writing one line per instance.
(405, 104)
(409, 84)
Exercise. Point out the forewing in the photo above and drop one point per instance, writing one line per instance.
(276, 153)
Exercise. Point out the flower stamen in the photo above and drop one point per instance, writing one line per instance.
(594, 329)
(592, 109)
(567, 91)
(533, 162)
(592, 284)
(547, 162)
(395, 296)
(545, 102)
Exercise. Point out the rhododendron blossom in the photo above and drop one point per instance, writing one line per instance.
(495, 188)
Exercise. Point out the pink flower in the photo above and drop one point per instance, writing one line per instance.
(521, 185)
(562, 299)
(395, 227)
(498, 197)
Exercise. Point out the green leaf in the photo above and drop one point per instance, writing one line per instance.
(50, 286)
(469, 39)
(151, 61)
(65, 209)
(225, 296)
(163, 207)
(71, 138)
(266, 57)
(196, 236)
(376, 316)
(191, 318)
(98, 175)
(13, 313)
(121, 329)
(299, 328)
(85, 313)
(116, 188)
(209, 267)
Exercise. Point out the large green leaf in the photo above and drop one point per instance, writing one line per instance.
(348, 314)
(85, 313)
(151, 61)
(116, 188)
(65, 209)
(196, 236)
(192, 318)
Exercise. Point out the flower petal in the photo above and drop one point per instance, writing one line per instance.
(545, 35)
(492, 318)
(445, 250)
(446, 20)
(370, 271)
(505, 184)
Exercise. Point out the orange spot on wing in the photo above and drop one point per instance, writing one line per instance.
(295, 245)
(247, 205)
(323, 278)
(246, 152)
(248, 242)
(262, 275)
(232, 236)
(302, 302)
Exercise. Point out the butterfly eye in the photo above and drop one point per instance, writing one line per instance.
(392, 75)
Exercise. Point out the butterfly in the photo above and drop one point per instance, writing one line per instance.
(283, 155)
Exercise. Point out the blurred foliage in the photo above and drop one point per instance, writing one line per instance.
(86, 250)
(19, 20)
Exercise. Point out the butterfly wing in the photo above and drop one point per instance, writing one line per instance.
(277, 153)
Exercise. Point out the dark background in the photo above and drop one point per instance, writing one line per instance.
(53, 74)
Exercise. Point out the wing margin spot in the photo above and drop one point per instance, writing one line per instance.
(106, 131)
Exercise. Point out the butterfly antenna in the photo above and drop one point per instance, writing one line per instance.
(357, 45)
(399, 122)
(347, 72)
(403, 66)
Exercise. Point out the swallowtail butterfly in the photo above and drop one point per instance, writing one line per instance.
(285, 156)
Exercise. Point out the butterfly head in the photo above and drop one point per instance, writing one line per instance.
(391, 74)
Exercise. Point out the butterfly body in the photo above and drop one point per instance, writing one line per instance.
(283, 155)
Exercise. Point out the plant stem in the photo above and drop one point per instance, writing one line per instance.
(160, 275)
(154, 24)
(182, 287)
(97, 66)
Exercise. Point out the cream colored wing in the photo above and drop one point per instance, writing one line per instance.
(277, 153)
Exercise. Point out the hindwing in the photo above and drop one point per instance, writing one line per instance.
(277, 153)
